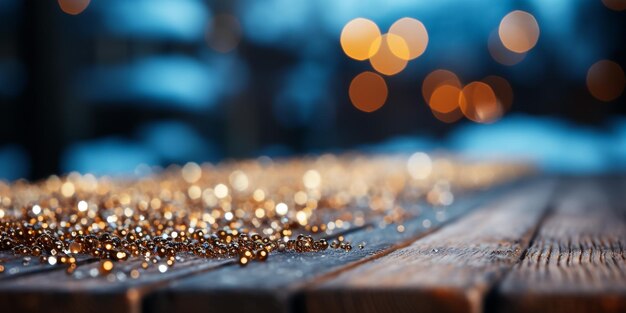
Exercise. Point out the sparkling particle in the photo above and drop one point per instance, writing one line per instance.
(82, 206)
(166, 219)
(281, 209)
(162, 268)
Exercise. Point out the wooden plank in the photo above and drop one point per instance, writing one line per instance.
(17, 266)
(450, 270)
(577, 262)
(271, 286)
(56, 291)
(66, 293)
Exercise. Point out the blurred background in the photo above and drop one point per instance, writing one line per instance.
(104, 86)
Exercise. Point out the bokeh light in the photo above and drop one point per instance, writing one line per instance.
(419, 165)
(615, 5)
(519, 31)
(224, 34)
(437, 78)
(386, 60)
(500, 53)
(445, 98)
(503, 90)
(368, 91)
(360, 39)
(478, 103)
(73, 7)
(414, 34)
(449, 117)
(605, 80)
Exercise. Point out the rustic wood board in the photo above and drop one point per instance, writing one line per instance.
(15, 266)
(450, 270)
(38, 287)
(271, 286)
(577, 263)
(55, 291)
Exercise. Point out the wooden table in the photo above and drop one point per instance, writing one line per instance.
(543, 245)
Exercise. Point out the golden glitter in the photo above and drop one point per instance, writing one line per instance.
(191, 172)
(281, 209)
(162, 268)
(134, 274)
(76, 247)
(106, 266)
(192, 212)
(67, 189)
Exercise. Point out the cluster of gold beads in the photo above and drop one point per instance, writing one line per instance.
(244, 210)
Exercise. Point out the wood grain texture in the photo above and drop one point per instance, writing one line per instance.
(577, 263)
(450, 270)
(55, 291)
(17, 266)
(271, 286)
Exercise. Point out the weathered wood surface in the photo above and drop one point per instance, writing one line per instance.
(450, 270)
(512, 252)
(51, 288)
(18, 266)
(55, 291)
(577, 263)
(271, 286)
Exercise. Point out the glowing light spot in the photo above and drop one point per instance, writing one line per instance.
(605, 80)
(479, 103)
(73, 7)
(82, 205)
(112, 219)
(259, 213)
(224, 34)
(445, 99)
(239, 180)
(300, 198)
(519, 31)
(419, 165)
(67, 189)
(258, 195)
(52, 260)
(221, 191)
(312, 179)
(368, 92)
(36, 209)
(194, 192)
(134, 274)
(449, 117)
(302, 218)
(437, 78)
(615, 5)
(281, 208)
(386, 60)
(162, 268)
(502, 89)
(228, 216)
(414, 35)
(501, 54)
(359, 39)
(191, 172)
